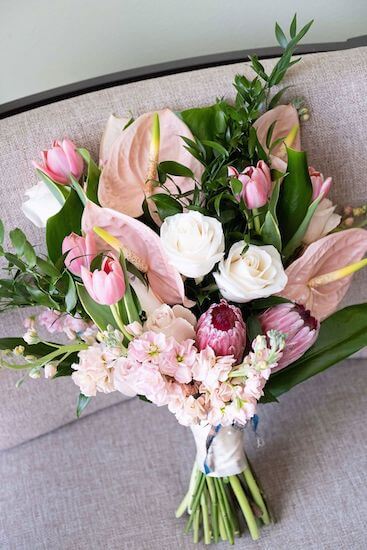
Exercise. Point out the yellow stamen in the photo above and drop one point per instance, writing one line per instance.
(338, 274)
(117, 245)
(153, 154)
(289, 140)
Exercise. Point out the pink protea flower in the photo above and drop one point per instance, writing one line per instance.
(223, 329)
(301, 330)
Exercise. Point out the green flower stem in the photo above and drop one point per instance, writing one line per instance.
(196, 499)
(227, 506)
(245, 507)
(186, 501)
(214, 507)
(204, 510)
(222, 529)
(231, 509)
(222, 508)
(196, 525)
(257, 222)
(116, 315)
(256, 494)
(128, 299)
(61, 350)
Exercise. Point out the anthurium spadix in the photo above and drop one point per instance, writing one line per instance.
(320, 278)
(124, 181)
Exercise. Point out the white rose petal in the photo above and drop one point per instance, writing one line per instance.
(194, 243)
(256, 273)
(322, 222)
(41, 204)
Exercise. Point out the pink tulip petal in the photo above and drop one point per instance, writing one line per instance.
(57, 162)
(74, 159)
(122, 185)
(286, 118)
(324, 256)
(142, 241)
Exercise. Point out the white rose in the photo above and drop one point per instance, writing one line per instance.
(41, 204)
(176, 321)
(193, 243)
(322, 222)
(256, 273)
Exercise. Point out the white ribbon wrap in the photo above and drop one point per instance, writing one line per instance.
(225, 455)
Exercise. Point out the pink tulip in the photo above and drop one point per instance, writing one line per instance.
(319, 185)
(223, 329)
(298, 325)
(256, 184)
(80, 251)
(106, 285)
(61, 161)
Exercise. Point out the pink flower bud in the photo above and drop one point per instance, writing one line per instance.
(256, 183)
(319, 185)
(80, 251)
(61, 161)
(223, 329)
(106, 285)
(298, 325)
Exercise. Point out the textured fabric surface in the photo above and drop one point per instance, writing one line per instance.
(334, 86)
(113, 479)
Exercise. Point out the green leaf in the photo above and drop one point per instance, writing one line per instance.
(60, 192)
(280, 36)
(93, 175)
(71, 297)
(166, 205)
(253, 327)
(83, 401)
(341, 335)
(2, 232)
(205, 122)
(295, 194)
(296, 240)
(18, 240)
(38, 350)
(268, 397)
(293, 26)
(264, 303)
(175, 169)
(236, 186)
(100, 315)
(29, 255)
(67, 221)
(277, 97)
(270, 232)
(47, 268)
(216, 146)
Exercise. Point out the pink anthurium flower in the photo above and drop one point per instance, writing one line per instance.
(286, 128)
(142, 247)
(124, 181)
(320, 278)
(111, 133)
(105, 286)
(61, 162)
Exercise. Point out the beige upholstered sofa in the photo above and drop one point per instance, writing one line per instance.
(112, 479)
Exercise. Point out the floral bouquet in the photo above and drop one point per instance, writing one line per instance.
(199, 265)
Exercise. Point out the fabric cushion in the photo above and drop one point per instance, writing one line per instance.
(334, 87)
(114, 479)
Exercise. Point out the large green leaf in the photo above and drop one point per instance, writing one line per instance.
(270, 229)
(341, 335)
(205, 122)
(100, 315)
(67, 221)
(296, 240)
(295, 194)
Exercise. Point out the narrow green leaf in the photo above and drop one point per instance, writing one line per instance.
(93, 175)
(216, 147)
(341, 335)
(280, 36)
(253, 327)
(60, 192)
(277, 97)
(166, 205)
(269, 134)
(83, 401)
(236, 186)
(264, 303)
(18, 240)
(29, 255)
(293, 26)
(2, 232)
(71, 297)
(175, 169)
(270, 233)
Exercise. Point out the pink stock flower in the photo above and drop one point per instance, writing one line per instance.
(61, 162)
(80, 251)
(320, 186)
(106, 286)
(256, 182)
(150, 347)
(56, 321)
(223, 329)
(300, 328)
(211, 369)
(93, 373)
(179, 361)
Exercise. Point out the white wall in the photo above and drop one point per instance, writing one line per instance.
(48, 43)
